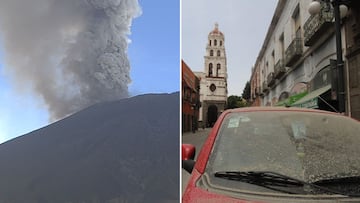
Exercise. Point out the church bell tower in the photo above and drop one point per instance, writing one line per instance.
(214, 79)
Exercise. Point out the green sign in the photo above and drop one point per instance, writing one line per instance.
(311, 104)
(292, 99)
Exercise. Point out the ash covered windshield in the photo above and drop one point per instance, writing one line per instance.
(307, 146)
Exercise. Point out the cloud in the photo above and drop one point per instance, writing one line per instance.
(71, 53)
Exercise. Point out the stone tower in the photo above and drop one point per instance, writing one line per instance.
(213, 86)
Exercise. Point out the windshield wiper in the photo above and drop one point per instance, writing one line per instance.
(272, 180)
(341, 180)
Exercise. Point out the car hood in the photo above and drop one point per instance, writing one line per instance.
(194, 194)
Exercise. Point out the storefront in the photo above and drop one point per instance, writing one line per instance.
(321, 94)
(297, 92)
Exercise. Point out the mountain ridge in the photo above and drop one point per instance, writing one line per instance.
(104, 153)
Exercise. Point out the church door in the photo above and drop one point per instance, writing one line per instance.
(212, 115)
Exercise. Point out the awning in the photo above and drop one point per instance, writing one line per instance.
(311, 99)
(292, 99)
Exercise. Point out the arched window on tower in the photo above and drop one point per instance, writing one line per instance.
(218, 52)
(210, 69)
(220, 43)
(215, 42)
(218, 67)
(211, 53)
(210, 42)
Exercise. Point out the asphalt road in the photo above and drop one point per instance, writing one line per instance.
(197, 139)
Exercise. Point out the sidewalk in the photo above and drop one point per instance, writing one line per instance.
(200, 131)
(197, 139)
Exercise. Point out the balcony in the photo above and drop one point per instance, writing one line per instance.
(271, 79)
(265, 87)
(293, 52)
(279, 69)
(317, 25)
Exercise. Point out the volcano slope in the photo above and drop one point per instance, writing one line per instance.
(119, 151)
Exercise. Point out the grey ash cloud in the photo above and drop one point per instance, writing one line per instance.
(72, 53)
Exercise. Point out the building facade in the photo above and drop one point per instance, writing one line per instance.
(213, 81)
(190, 98)
(296, 65)
(352, 36)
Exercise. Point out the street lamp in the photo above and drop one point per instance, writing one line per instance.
(340, 11)
(315, 7)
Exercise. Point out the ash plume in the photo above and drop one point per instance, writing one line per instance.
(72, 53)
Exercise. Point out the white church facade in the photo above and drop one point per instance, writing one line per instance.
(213, 81)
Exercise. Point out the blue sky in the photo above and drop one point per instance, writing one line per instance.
(155, 48)
(154, 58)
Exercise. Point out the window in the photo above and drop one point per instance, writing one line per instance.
(187, 94)
(218, 52)
(215, 42)
(210, 42)
(218, 66)
(282, 49)
(298, 33)
(211, 53)
(212, 87)
(296, 22)
(220, 43)
(273, 58)
(210, 69)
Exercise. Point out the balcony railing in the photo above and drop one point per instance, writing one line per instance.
(279, 69)
(271, 79)
(318, 24)
(293, 52)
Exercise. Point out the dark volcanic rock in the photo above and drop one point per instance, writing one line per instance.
(121, 151)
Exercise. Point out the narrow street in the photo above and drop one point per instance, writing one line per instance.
(197, 139)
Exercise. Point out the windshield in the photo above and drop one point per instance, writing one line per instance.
(306, 146)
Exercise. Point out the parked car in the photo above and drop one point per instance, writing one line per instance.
(276, 154)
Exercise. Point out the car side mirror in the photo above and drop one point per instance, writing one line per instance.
(187, 156)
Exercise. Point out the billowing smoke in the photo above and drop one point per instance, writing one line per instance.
(72, 53)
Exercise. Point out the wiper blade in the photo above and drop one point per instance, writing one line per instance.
(260, 177)
(341, 180)
(271, 180)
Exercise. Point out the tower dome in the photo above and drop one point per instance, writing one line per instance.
(216, 32)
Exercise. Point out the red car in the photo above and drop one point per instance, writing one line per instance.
(276, 154)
